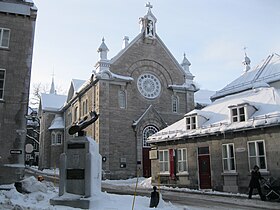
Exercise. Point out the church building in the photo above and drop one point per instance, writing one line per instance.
(138, 92)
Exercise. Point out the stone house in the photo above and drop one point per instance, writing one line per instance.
(216, 147)
(17, 28)
(136, 93)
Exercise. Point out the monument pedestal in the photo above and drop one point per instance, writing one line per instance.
(80, 173)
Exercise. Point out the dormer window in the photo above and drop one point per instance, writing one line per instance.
(191, 122)
(241, 112)
(238, 114)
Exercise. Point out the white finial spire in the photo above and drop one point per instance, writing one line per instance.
(103, 50)
(52, 90)
(246, 62)
(125, 42)
(185, 63)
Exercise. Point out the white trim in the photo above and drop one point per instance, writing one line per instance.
(228, 158)
(54, 140)
(192, 124)
(257, 155)
(184, 150)
(145, 144)
(164, 161)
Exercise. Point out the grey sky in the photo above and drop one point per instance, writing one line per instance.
(212, 33)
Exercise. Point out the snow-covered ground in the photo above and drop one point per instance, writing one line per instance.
(42, 192)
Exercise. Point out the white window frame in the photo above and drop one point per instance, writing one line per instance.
(191, 122)
(164, 161)
(55, 138)
(2, 88)
(239, 116)
(182, 159)
(257, 155)
(227, 157)
(1, 37)
(175, 104)
(122, 99)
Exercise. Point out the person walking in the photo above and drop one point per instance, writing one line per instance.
(255, 182)
(154, 198)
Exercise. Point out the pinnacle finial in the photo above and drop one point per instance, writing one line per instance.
(246, 62)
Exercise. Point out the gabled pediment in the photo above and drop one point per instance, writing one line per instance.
(149, 115)
(76, 84)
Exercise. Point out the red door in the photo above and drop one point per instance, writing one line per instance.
(146, 163)
(204, 171)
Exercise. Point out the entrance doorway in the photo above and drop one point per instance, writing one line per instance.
(204, 168)
(146, 163)
(148, 131)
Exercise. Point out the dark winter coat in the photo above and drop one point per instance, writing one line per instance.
(255, 177)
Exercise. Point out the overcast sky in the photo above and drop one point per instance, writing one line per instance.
(212, 33)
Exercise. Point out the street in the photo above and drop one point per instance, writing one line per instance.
(195, 201)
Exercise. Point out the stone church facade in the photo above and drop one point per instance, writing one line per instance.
(136, 93)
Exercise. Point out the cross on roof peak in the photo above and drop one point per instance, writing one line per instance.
(149, 5)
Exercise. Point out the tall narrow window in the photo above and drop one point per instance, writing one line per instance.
(4, 37)
(84, 107)
(182, 160)
(164, 161)
(53, 139)
(191, 122)
(256, 153)
(122, 99)
(76, 114)
(175, 104)
(228, 157)
(58, 138)
(148, 131)
(2, 83)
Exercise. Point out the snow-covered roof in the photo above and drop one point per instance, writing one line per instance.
(266, 100)
(57, 123)
(203, 96)
(52, 102)
(268, 71)
(77, 84)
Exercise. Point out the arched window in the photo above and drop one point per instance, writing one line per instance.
(175, 104)
(148, 131)
(56, 137)
(122, 99)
